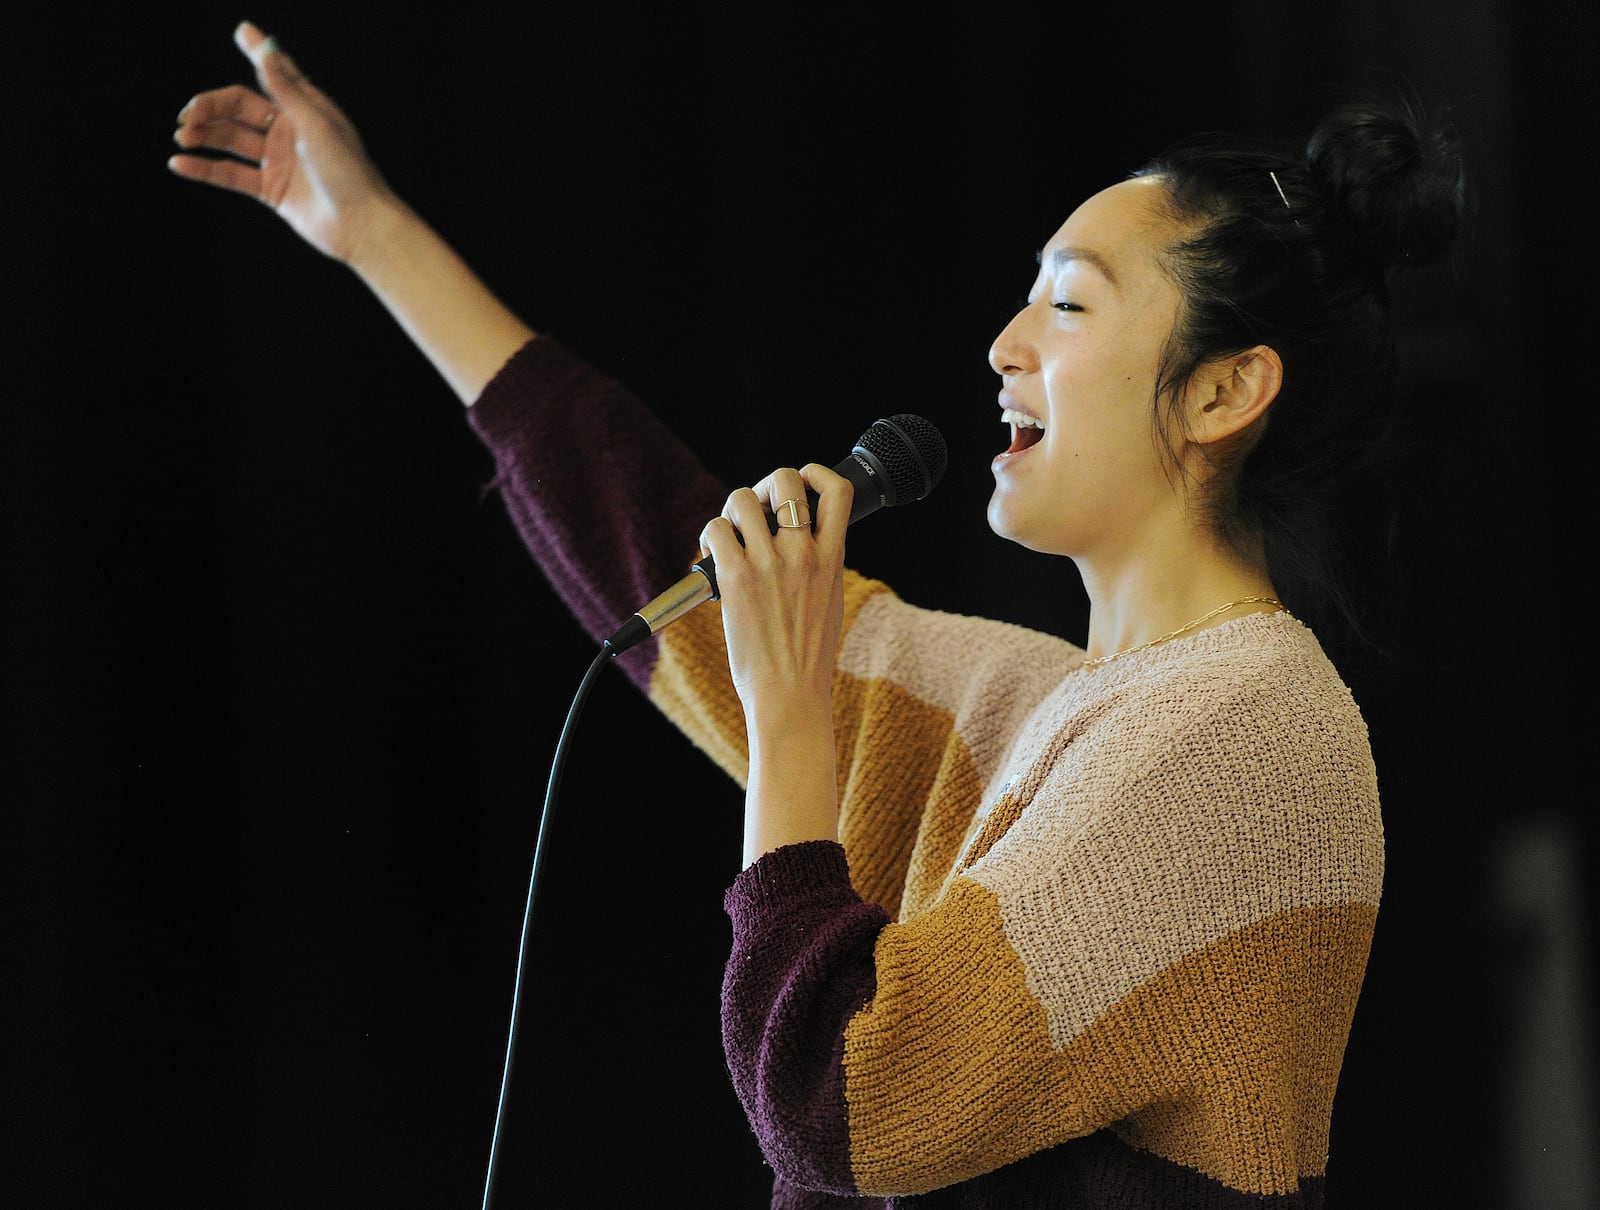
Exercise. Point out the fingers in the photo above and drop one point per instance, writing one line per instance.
(236, 119)
(224, 174)
(744, 523)
(782, 501)
(231, 121)
(222, 108)
(813, 499)
(746, 529)
(792, 514)
(785, 499)
(238, 138)
(227, 122)
(721, 539)
(835, 495)
(813, 502)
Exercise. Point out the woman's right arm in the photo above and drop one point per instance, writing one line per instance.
(291, 148)
(605, 498)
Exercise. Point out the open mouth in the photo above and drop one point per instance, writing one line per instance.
(1026, 430)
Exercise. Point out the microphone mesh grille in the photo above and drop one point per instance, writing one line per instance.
(912, 452)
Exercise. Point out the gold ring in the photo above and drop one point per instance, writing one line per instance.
(797, 519)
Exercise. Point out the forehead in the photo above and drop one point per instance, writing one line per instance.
(1119, 231)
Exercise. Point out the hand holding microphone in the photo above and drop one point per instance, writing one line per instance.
(782, 592)
(898, 460)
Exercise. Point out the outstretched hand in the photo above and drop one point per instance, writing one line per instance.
(287, 146)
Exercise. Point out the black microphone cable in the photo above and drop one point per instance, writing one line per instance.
(557, 763)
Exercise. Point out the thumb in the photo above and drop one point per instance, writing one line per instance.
(279, 78)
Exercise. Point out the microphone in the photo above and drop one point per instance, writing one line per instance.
(897, 461)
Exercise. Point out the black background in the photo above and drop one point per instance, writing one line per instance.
(281, 690)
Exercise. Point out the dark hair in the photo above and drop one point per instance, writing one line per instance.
(1292, 248)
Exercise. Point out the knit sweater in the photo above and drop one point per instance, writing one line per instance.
(1091, 937)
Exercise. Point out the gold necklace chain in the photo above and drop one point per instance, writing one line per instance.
(1185, 628)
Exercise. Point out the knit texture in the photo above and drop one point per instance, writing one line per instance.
(1090, 938)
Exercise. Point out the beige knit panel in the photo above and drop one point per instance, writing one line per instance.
(949, 1070)
(1126, 860)
(1254, 1030)
(986, 675)
(692, 687)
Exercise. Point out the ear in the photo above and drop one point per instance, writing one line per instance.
(1233, 393)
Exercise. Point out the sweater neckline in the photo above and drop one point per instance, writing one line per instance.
(1231, 635)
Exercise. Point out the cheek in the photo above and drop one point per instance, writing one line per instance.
(1095, 378)
(1097, 424)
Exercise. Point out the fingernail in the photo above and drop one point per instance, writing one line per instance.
(261, 49)
(258, 53)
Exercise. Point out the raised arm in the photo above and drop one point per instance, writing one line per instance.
(610, 521)
(291, 148)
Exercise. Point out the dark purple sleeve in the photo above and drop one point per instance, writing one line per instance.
(801, 967)
(609, 503)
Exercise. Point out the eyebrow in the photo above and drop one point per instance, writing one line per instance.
(1061, 257)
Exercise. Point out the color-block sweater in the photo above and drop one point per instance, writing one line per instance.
(1091, 937)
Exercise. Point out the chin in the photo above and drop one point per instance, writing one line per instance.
(1013, 529)
(996, 514)
(1003, 524)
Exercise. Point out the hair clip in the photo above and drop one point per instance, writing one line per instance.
(1283, 195)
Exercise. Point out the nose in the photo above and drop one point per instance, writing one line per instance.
(1012, 351)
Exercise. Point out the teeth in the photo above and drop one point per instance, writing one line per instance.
(1021, 419)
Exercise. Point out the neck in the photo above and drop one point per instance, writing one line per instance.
(1129, 611)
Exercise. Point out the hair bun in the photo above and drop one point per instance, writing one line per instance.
(1397, 181)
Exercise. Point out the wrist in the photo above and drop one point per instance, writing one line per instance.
(384, 234)
(791, 737)
(785, 698)
(791, 795)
